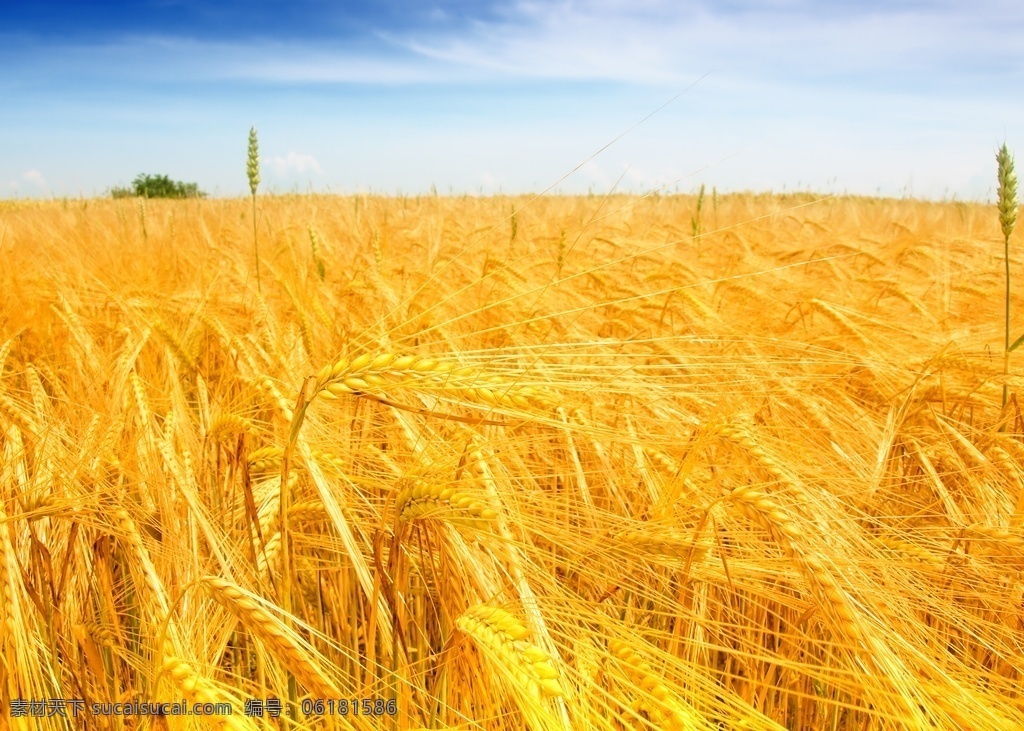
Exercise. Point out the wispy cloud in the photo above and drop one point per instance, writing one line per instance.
(490, 183)
(294, 163)
(34, 177)
(157, 58)
(639, 41)
(667, 41)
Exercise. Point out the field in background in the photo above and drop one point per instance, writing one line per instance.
(575, 468)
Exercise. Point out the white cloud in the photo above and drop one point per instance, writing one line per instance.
(491, 183)
(294, 163)
(34, 177)
(594, 174)
(667, 41)
(632, 41)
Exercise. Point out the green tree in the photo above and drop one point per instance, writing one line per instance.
(158, 186)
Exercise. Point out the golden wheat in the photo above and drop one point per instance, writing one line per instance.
(282, 641)
(504, 638)
(705, 493)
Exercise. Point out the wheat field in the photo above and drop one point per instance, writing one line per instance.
(569, 463)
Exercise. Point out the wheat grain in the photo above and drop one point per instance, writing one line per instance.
(424, 500)
(504, 640)
(281, 640)
(658, 700)
(763, 510)
(227, 425)
(200, 690)
(369, 374)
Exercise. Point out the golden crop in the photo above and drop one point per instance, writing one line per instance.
(595, 465)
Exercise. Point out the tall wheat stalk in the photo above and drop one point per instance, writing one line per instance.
(253, 170)
(696, 226)
(1007, 204)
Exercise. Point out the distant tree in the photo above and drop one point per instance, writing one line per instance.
(158, 186)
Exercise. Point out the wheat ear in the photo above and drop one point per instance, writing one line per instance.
(200, 690)
(741, 433)
(767, 513)
(423, 500)
(17, 415)
(227, 424)
(1007, 205)
(662, 542)
(284, 408)
(504, 639)
(252, 170)
(283, 642)
(666, 710)
(150, 577)
(372, 374)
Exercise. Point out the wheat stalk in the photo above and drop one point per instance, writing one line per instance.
(252, 169)
(1007, 206)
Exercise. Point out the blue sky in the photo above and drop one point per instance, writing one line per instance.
(897, 98)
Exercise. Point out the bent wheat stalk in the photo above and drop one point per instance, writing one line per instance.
(282, 641)
(374, 374)
(504, 639)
